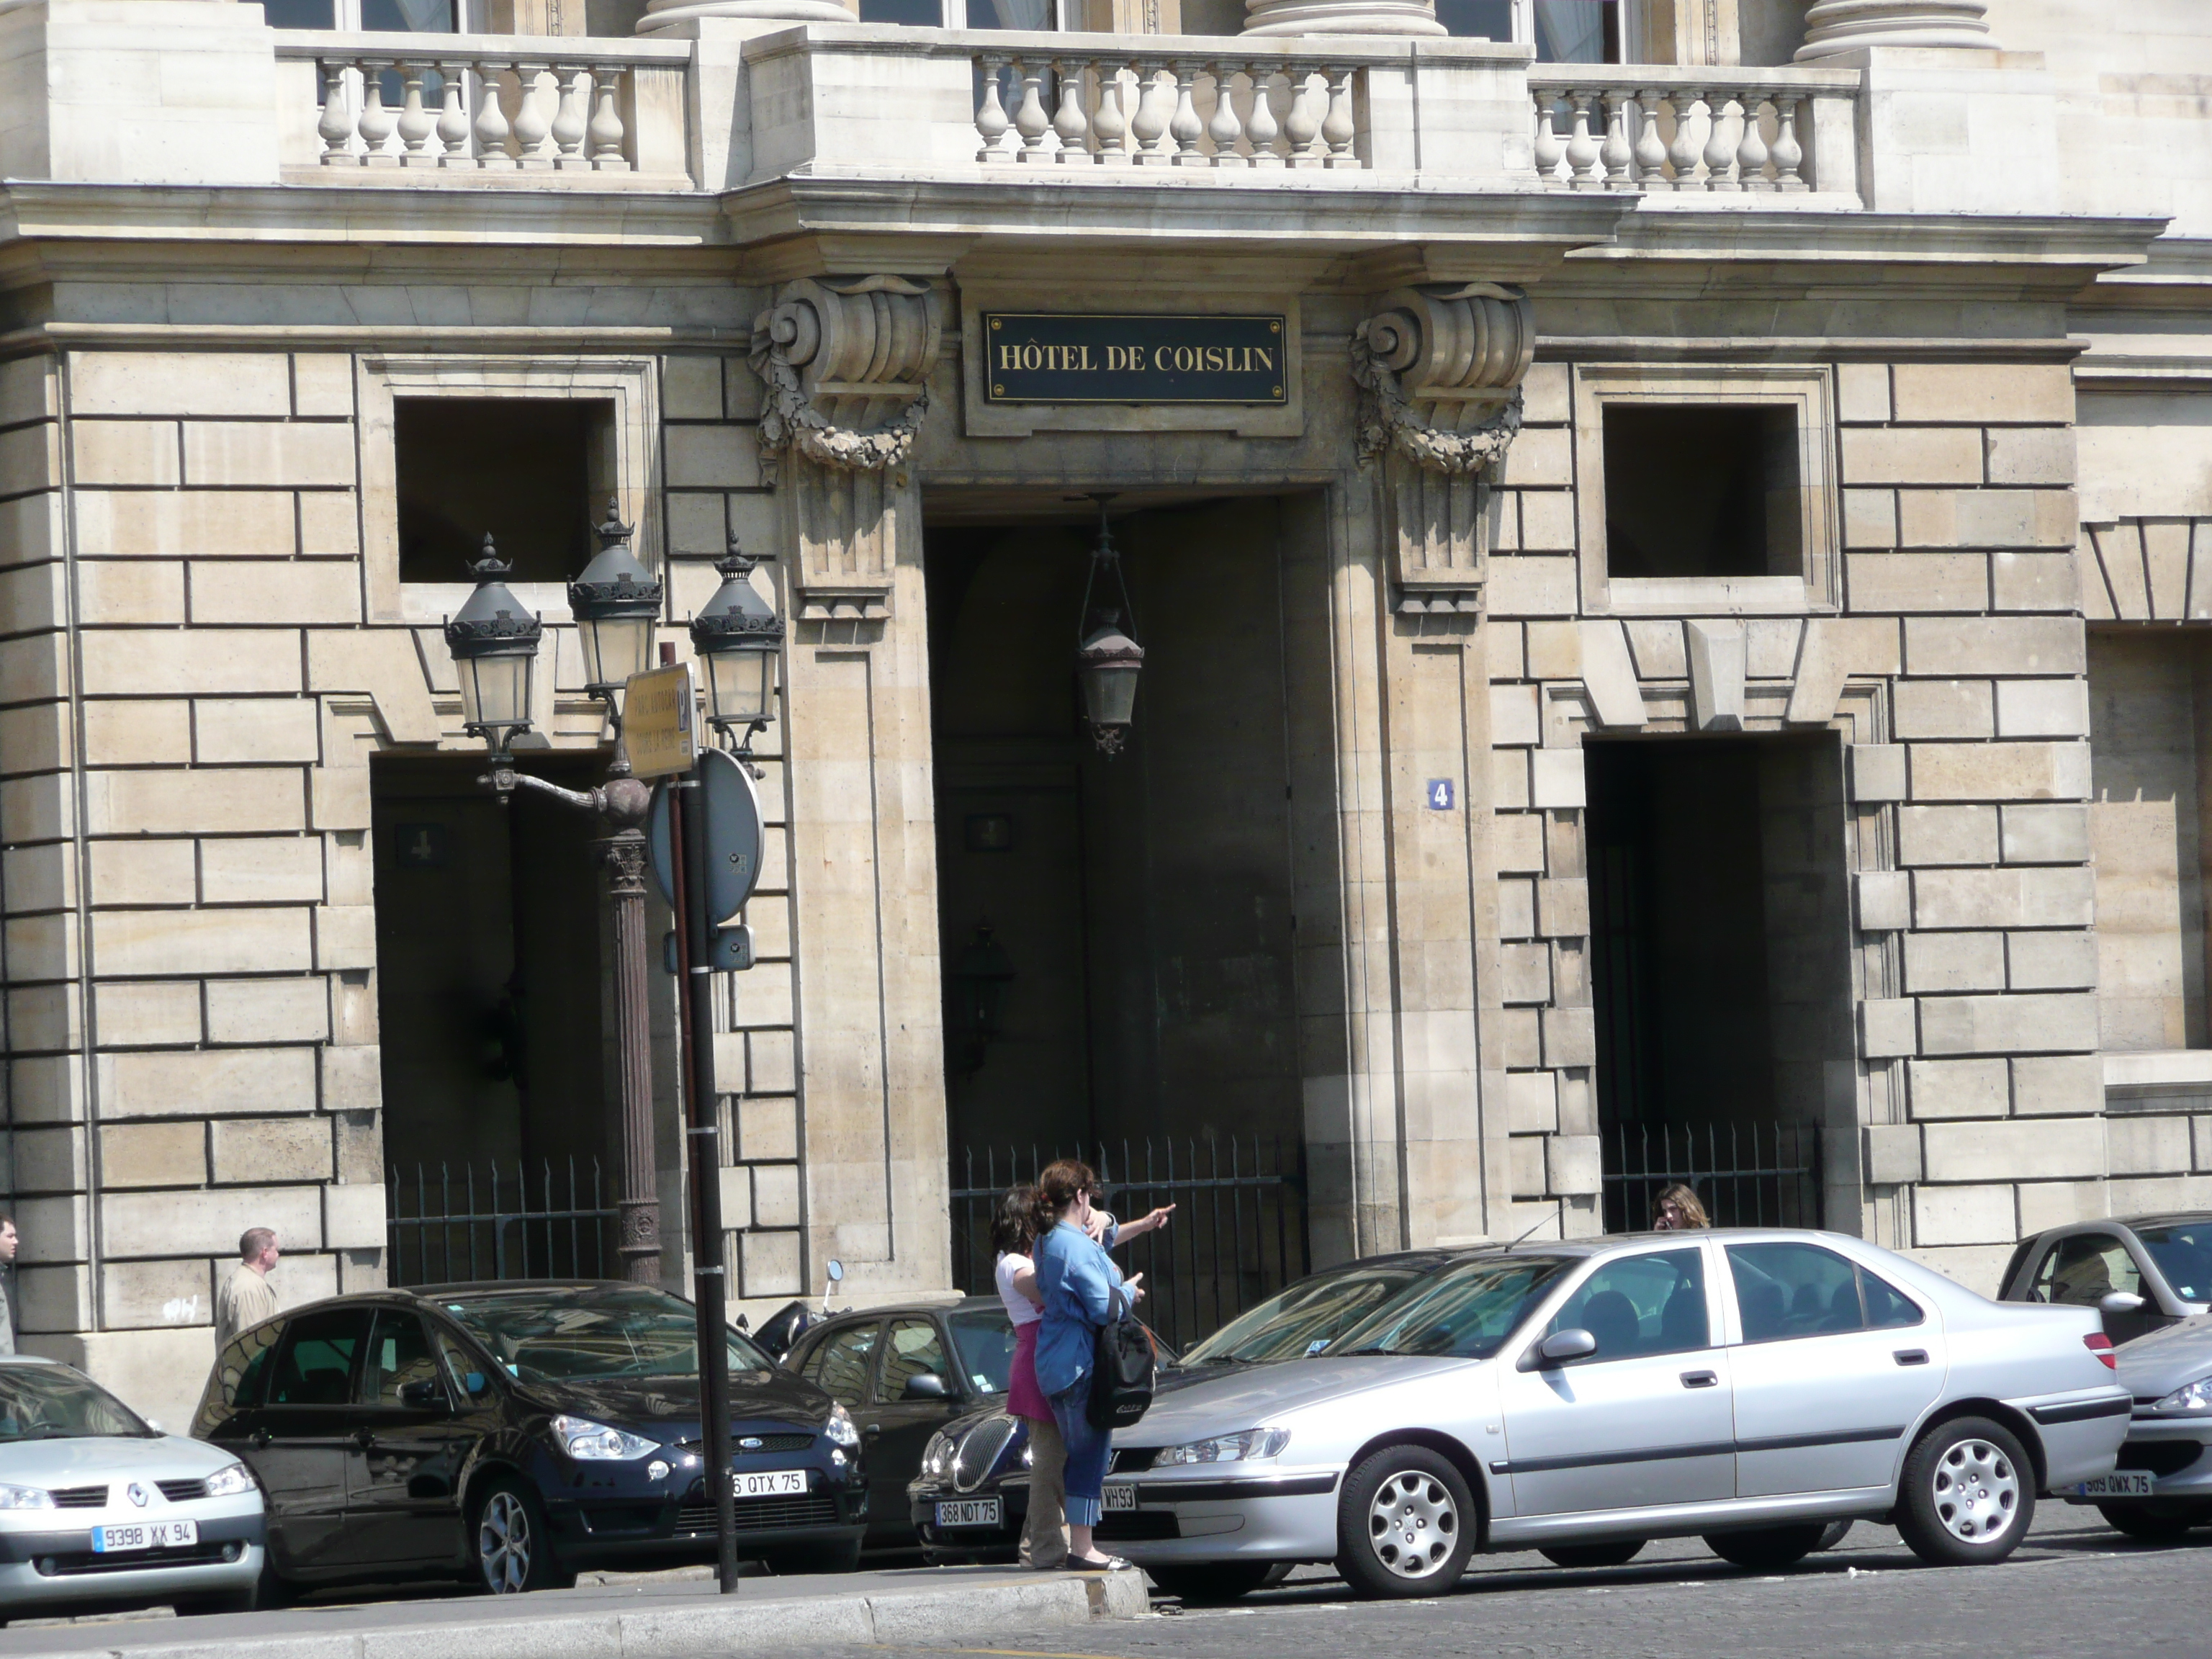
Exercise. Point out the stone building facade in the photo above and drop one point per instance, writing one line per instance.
(1478, 812)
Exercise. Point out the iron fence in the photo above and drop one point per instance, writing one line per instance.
(1746, 1175)
(455, 1224)
(1239, 1234)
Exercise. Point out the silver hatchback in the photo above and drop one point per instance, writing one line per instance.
(1749, 1386)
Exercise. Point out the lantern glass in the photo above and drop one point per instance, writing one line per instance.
(741, 683)
(496, 688)
(615, 647)
(1109, 692)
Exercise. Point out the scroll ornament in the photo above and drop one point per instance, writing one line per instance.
(1439, 369)
(844, 363)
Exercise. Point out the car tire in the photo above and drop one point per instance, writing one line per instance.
(1968, 1495)
(1213, 1582)
(2155, 1523)
(272, 1589)
(1616, 1554)
(802, 1560)
(1769, 1549)
(1404, 1524)
(510, 1542)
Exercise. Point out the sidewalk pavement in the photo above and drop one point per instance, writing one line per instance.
(655, 1618)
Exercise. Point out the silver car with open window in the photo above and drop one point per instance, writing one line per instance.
(99, 1510)
(1748, 1386)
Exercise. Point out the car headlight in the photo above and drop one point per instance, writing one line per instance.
(937, 1458)
(230, 1481)
(840, 1428)
(25, 1498)
(1226, 1447)
(2191, 1397)
(590, 1442)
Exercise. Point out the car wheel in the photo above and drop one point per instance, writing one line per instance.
(800, 1560)
(1769, 1549)
(1213, 1582)
(2155, 1523)
(513, 1547)
(1404, 1524)
(1969, 1494)
(1593, 1555)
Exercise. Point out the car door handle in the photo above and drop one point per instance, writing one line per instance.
(1910, 1356)
(1701, 1380)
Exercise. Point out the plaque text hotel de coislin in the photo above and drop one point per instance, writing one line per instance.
(1077, 358)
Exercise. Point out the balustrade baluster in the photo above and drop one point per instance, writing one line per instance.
(1615, 153)
(1184, 126)
(1111, 124)
(1720, 155)
(1751, 150)
(1650, 154)
(1224, 128)
(569, 124)
(1581, 149)
(1683, 152)
(417, 124)
(531, 124)
(492, 131)
(335, 128)
(1303, 122)
(991, 120)
(1071, 126)
(1149, 126)
(377, 118)
(1029, 117)
(1262, 130)
(1338, 130)
(453, 118)
(1789, 154)
(1549, 148)
(605, 135)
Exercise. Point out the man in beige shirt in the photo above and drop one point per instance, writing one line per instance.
(246, 1298)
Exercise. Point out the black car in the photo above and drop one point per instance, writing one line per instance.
(2146, 1271)
(514, 1433)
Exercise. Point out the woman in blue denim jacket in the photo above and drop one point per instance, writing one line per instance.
(1080, 1284)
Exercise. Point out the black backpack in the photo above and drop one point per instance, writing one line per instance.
(1122, 1376)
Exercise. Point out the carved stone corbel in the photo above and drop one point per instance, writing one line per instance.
(844, 363)
(1439, 369)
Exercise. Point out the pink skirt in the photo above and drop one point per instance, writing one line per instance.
(1023, 1397)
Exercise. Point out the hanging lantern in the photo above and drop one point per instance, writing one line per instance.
(1107, 660)
(615, 603)
(738, 636)
(493, 642)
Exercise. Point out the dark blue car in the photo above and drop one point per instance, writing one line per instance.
(513, 1434)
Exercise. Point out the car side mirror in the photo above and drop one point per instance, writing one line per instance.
(424, 1397)
(1557, 1349)
(928, 1385)
(2119, 1302)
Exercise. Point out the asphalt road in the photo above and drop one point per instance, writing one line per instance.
(2075, 1588)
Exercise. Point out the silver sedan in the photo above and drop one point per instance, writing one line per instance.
(1748, 1386)
(97, 1508)
(2163, 1486)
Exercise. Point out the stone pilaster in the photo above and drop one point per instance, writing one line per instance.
(1838, 26)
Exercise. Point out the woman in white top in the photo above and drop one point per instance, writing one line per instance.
(1013, 1231)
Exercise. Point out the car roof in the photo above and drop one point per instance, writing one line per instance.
(26, 1360)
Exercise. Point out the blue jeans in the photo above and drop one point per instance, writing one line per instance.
(1086, 1453)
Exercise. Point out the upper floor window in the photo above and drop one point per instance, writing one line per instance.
(383, 16)
(1033, 15)
(1562, 31)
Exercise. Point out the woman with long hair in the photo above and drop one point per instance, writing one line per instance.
(1081, 1286)
(1014, 1235)
(1678, 1208)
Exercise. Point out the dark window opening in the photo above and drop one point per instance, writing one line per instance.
(914, 13)
(1701, 490)
(526, 471)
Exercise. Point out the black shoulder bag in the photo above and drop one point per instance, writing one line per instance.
(1121, 1374)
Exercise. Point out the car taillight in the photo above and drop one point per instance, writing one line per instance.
(2101, 1345)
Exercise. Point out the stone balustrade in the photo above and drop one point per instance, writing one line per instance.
(1708, 133)
(485, 108)
(1226, 113)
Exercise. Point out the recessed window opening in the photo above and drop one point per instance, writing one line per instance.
(533, 472)
(1562, 31)
(1701, 490)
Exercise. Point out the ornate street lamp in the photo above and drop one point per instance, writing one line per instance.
(615, 603)
(1107, 660)
(737, 637)
(495, 646)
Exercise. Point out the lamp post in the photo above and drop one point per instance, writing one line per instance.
(737, 637)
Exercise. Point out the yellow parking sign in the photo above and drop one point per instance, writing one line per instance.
(659, 722)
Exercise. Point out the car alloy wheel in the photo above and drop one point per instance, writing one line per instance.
(1412, 1523)
(1976, 1491)
(1406, 1523)
(504, 1543)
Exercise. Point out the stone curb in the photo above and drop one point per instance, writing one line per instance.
(689, 1633)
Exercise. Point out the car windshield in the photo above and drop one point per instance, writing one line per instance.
(983, 1340)
(1308, 1316)
(2183, 1250)
(1464, 1312)
(51, 1402)
(576, 1335)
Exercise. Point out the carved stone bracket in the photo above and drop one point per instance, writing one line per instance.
(1439, 369)
(845, 362)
